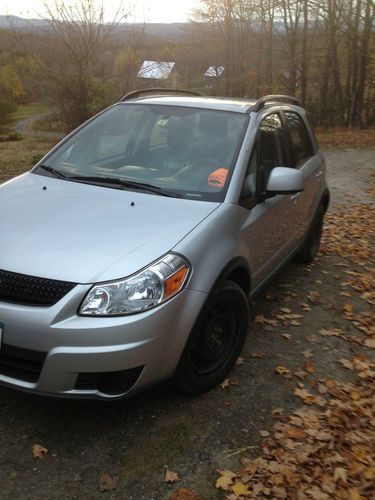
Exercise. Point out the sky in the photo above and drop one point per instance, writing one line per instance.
(154, 11)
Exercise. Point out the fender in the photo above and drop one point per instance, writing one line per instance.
(238, 271)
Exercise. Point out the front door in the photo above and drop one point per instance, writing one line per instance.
(268, 231)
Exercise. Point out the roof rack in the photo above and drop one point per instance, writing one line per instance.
(274, 98)
(139, 93)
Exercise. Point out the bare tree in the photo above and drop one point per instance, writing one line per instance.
(77, 36)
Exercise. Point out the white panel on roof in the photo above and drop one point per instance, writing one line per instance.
(157, 70)
(215, 71)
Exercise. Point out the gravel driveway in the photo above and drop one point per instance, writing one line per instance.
(137, 439)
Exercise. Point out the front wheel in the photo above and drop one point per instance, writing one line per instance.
(215, 341)
(312, 243)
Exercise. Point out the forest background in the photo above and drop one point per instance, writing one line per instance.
(76, 63)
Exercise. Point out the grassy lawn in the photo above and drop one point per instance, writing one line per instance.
(25, 111)
(18, 156)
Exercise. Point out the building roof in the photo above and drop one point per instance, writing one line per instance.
(214, 71)
(156, 70)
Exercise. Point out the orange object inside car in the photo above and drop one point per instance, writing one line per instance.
(217, 178)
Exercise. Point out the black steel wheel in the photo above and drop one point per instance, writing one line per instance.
(216, 340)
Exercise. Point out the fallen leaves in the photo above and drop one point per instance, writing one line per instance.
(349, 233)
(108, 482)
(313, 296)
(225, 384)
(171, 477)
(184, 494)
(305, 395)
(307, 353)
(321, 451)
(240, 489)
(264, 433)
(348, 310)
(326, 448)
(309, 367)
(346, 363)
(228, 383)
(370, 343)
(258, 354)
(225, 480)
(39, 451)
(282, 370)
(332, 332)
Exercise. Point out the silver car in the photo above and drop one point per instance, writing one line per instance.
(128, 253)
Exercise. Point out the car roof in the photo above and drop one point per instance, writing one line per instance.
(234, 104)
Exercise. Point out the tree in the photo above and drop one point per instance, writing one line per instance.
(319, 51)
(77, 36)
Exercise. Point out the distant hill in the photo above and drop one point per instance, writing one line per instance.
(166, 31)
(21, 24)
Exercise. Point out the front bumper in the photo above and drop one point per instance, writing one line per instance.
(71, 348)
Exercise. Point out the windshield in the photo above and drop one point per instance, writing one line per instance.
(178, 151)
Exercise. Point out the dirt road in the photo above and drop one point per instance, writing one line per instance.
(138, 439)
(24, 127)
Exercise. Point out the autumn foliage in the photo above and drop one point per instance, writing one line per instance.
(326, 448)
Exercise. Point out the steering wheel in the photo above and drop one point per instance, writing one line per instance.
(206, 162)
(205, 165)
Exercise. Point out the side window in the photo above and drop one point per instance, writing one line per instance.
(301, 143)
(250, 185)
(270, 143)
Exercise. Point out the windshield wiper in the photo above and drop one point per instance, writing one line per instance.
(119, 182)
(53, 171)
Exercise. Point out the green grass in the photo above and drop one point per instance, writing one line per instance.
(25, 111)
(18, 156)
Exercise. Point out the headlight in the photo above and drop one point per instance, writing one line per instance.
(139, 292)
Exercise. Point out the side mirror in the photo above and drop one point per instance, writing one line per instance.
(283, 180)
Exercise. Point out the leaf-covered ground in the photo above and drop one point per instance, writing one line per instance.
(325, 448)
(295, 419)
(342, 137)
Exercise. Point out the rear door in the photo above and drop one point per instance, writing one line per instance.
(304, 158)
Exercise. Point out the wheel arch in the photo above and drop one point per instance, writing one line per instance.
(238, 271)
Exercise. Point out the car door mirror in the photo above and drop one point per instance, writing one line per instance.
(283, 180)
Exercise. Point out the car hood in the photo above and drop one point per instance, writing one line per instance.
(85, 233)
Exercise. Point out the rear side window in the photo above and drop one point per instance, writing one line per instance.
(300, 138)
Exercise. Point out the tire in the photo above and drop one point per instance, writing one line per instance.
(312, 243)
(216, 340)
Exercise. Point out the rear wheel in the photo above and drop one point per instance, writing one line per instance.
(216, 340)
(312, 243)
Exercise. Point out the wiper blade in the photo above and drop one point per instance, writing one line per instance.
(53, 171)
(120, 182)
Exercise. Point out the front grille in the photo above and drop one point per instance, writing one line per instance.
(21, 364)
(30, 290)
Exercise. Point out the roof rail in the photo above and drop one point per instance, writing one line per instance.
(274, 98)
(139, 93)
